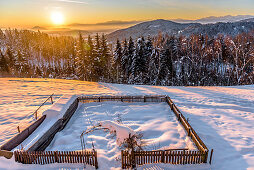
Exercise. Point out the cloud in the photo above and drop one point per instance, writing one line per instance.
(108, 23)
(72, 1)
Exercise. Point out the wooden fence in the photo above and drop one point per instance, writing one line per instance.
(87, 99)
(129, 160)
(169, 156)
(174, 156)
(48, 157)
(42, 143)
(190, 131)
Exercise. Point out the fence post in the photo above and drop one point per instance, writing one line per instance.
(189, 131)
(163, 157)
(96, 162)
(56, 156)
(36, 115)
(211, 155)
(51, 98)
(122, 159)
(18, 129)
(133, 161)
(172, 105)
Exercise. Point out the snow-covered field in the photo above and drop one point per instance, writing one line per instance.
(222, 116)
(155, 121)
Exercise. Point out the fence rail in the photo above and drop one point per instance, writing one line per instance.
(48, 157)
(129, 160)
(87, 99)
(36, 111)
(188, 128)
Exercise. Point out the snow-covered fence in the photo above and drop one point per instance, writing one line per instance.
(42, 143)
(36, 111)
(19, 138)
(48, 157)
(174, 156)
(191, 132)
(157, 98)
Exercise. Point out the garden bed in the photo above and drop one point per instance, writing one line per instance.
(155, 121)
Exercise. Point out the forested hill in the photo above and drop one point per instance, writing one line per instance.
(159, 60)
(172, 28)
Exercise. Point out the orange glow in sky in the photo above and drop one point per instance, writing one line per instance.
(29, 13)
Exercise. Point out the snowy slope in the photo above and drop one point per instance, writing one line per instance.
(222, 116)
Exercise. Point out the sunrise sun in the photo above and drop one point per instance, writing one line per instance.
(57, 18)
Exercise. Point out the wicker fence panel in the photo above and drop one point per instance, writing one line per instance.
(48, 157)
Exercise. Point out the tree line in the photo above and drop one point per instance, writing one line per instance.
(161, 60)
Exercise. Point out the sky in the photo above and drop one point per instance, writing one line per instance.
(28, 13)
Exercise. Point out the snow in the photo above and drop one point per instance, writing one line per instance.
(222, 116)
(53, 114)
(122, 132)
(155, 121)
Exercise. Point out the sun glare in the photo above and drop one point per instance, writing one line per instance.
(57, 18)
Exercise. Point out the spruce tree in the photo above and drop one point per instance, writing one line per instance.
(80, 59)
(124, 61)
(10, 58)
(21, 64)
(117, 60)
(131, 50)
(139, 62)
(106, 61)
(3, 63)
(97, 69)
(148, 57)
(91, 56)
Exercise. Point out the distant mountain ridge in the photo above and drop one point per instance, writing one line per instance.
(39, 28)
(152, 28)
(213, 19)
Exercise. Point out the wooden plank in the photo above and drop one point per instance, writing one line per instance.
(194, 157)
(75, 156)
(20, 137)
(36, 161)
(199, 156)
(146, 157)
(67, 154)
(72, 157)
(211, 156)
(33, 158)
(52, 157)
(188, 157)
(48, 157)
(62, 157)
(28, 158)
(173, 157)
(191, 157)
(83, 157)
(181, 157)
(45, 157)
(178, 157)
(78, 157)
(41, 158)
